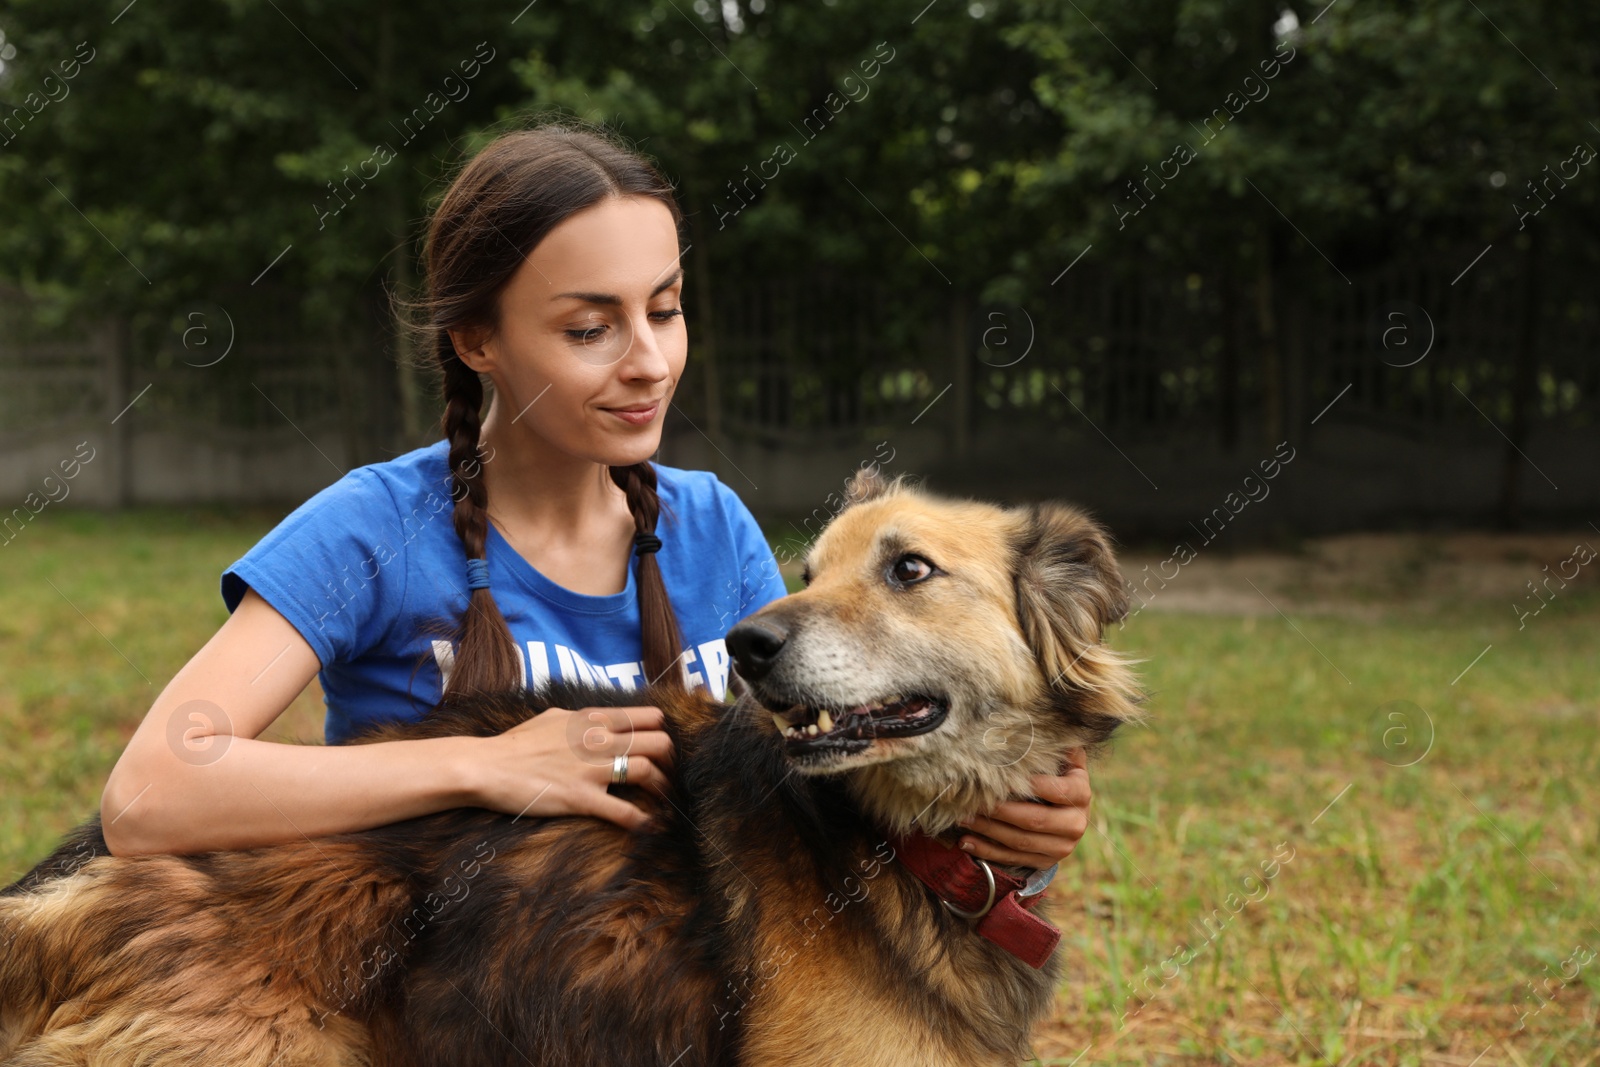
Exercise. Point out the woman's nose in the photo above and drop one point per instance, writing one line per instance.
(644, 357)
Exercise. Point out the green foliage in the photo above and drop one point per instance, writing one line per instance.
(1373, 127)
(976, 147)
(198, 142)
(843, 135)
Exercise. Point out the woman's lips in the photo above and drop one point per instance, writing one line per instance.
(636, 414)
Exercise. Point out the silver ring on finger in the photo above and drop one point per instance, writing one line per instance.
(619, 770)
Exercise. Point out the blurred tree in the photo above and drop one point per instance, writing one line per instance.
(1267, 142)
(205, 147)
(1372, 126)
(203, 140)
(854, 137)
(951, 152)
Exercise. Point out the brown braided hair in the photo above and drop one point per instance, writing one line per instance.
(495, 212)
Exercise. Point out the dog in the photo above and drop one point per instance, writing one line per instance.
(795, 900)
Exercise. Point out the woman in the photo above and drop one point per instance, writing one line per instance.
(552, 270)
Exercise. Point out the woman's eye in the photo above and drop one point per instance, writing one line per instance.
(909, 569)
(666, 316)
(588, 335)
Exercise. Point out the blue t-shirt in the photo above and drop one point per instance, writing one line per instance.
(363, 567)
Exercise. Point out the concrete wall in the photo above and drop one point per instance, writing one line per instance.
(164, 467)
(1344, 477)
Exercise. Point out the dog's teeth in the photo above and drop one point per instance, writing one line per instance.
(780, 722)
(811, 731)
(824, 721)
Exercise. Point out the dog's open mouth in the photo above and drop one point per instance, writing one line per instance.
(809, 729)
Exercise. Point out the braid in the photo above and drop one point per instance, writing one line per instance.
(486, 656)
(659, 636)
(497, 209)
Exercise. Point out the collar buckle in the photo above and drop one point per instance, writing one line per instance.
(988, 873)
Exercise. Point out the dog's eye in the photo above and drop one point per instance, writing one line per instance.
(909, 569)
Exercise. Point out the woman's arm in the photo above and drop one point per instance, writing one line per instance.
(1036, 833)
(193, 778)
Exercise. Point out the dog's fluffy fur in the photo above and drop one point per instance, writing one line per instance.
(764, 920)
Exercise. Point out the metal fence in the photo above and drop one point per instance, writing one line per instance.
(1154, 356)
(830, 361)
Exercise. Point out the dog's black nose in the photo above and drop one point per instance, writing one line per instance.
(755, 644)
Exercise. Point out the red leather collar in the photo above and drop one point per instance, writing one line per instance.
(960, 881)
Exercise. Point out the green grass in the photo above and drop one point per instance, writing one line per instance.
(97, 613)
(1416, 909)
(1405, 930)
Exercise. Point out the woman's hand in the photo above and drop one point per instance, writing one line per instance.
(559, 763)
(1036, 833)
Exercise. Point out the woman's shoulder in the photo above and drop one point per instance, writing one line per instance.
(413, 475)
(693, 483)
(328, 565)
(684, 481)
(698, 492)
(379, 489)
(705, 509)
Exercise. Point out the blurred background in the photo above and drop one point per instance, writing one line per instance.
(1297, 297)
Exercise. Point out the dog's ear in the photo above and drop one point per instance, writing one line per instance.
(1068, 590)
(868, 483)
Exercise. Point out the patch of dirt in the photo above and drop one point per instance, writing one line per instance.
(1360, 574)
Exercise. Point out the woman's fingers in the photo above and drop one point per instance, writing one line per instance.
(985, 848)
(624, 719)
(652, 744)
(598, 745)
(1070, 786)
(643, 771)
(1047, 828)
(1070, 789)
(1040, 817)
(598, 802)
(570, 756)
(598, 735)
(1002, 842)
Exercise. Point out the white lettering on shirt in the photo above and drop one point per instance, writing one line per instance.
(714, 655)
(691, 678)
(626, 674)
(445, 655)
(540, 661)
(572, 667)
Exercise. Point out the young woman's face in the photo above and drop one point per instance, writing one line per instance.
(591, 340)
